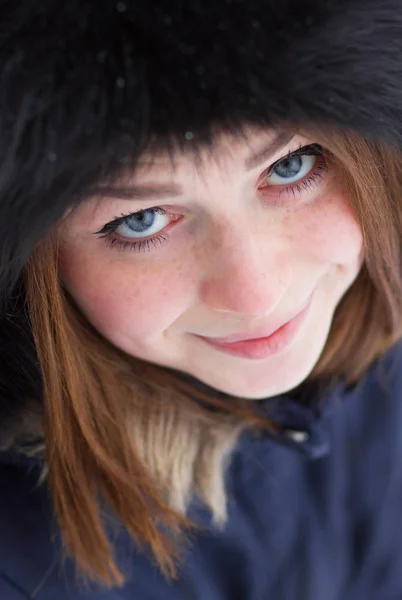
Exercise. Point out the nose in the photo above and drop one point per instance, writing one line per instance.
(243, 275)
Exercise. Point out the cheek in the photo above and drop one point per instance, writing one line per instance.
(124, 297)
(330, 232)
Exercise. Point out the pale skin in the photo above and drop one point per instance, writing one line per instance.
(240, 254)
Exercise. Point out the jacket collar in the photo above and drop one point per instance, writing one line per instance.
(301, 425)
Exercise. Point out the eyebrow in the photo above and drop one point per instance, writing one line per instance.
(138, 191)
(165, 190)
(282, 139)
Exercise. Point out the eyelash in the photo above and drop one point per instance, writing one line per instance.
(135, 245)
(312, 179)
(159, 239)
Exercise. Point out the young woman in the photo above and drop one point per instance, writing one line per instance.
(200, 213)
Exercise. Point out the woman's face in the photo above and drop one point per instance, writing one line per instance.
(238, 245)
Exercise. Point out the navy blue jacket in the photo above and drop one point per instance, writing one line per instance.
(314, 513)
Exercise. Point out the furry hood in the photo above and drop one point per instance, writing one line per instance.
(84, 84)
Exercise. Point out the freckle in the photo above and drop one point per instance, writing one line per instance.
(195, 251)
(177, 264)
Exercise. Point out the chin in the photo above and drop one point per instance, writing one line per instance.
(258, 381)
(255, 389)
(262, 392)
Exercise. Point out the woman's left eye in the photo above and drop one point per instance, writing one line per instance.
(298, 171)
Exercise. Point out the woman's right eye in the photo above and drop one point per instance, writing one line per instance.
(143, 223)
(138, 231)
(139, 224)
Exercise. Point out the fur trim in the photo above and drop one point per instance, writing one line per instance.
(20, 380)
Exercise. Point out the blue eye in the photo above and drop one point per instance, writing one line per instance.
(131, 232)
(297, 172)
(143, 223)
(291, 169)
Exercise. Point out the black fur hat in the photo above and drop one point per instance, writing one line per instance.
(84, 83)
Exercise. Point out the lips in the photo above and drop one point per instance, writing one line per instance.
(268, 342)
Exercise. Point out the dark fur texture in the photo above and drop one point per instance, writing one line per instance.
(84, 83)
